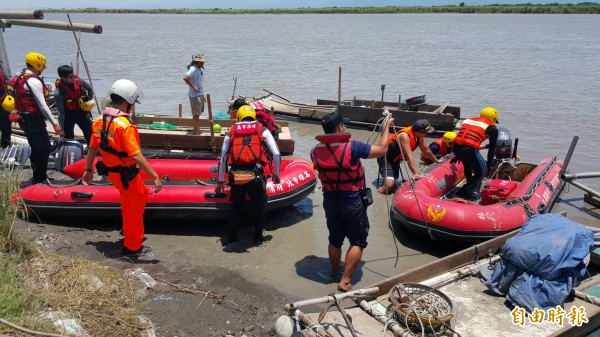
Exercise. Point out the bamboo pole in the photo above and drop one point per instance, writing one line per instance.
(60, 25)
(290, 307)
(213, 144)
(314, 326)
(22, 14)
(339, 85)
(87, 70)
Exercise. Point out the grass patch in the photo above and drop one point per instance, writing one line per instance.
(104, 301)
(14, 298)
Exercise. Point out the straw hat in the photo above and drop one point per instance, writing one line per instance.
(198, 57)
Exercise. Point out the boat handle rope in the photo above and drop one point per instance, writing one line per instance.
(377, 131)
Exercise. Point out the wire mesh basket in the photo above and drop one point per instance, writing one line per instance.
(419, 307)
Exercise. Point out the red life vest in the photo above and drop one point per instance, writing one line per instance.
(265, 117)
(443, 149)
(414, 141)
(24, 100)
(3, 84)
(332, 159)
(472, 132)
(70, 95)
(247, 145)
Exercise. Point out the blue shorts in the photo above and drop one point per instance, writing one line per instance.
(346, 218)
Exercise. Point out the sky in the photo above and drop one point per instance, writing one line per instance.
(246, 4)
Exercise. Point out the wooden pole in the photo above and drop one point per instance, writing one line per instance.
(87, 70)
(339, 85)
(180, 110)
(213, 145)
(84, 27)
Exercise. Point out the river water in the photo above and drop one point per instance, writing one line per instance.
(539, 71)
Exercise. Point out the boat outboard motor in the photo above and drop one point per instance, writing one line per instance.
(67, 152)
(504, 144)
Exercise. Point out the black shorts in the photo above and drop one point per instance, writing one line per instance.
(346, 218)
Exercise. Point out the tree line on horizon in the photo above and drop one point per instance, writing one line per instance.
(526, 8)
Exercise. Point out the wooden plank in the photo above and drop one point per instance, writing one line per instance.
(182, 139)
(445, 264)
(363, 323)
(189, 122)
(401, 117)
(187, 140)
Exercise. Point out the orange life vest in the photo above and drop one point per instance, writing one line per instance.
(24, 100)
(247, 145)
(472, 132)
(414, 142)
(443, 149)
(110, 129)
(332, 159)
(70, 95)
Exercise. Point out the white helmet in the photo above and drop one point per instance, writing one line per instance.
(128, 90)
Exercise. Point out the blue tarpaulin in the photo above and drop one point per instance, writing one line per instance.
(538, 265)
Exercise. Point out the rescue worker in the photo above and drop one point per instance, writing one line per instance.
(6, 107)
(74, 101)
(116, 136)
(30, 95)
(401, 146)
(244, 151)
(466, 150)
(337, 160)
(441, 146)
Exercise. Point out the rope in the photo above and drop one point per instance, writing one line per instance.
(377, 131)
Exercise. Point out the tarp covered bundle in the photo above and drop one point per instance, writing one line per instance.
(538, 265)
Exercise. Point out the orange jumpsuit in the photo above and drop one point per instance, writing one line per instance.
(123, 137)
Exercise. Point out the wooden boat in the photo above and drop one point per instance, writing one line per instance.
(368, 112)
(474, 311)
(183, 137)
(179, 136)
(191, 199)
(426, 205)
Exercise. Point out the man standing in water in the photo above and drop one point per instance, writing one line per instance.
(337, 160)
(245, 152)
(194, 78)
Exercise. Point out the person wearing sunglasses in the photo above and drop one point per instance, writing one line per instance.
(74, 102)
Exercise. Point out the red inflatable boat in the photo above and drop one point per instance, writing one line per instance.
(524, 191)
(178, 199)
(169, 169)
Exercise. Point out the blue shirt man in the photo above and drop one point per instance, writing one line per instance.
(345, 212)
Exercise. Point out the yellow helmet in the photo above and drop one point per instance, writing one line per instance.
(245, 111)
(448, 137)
(8, 103)
(86, 103)
(36, 60)
(489, 113)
